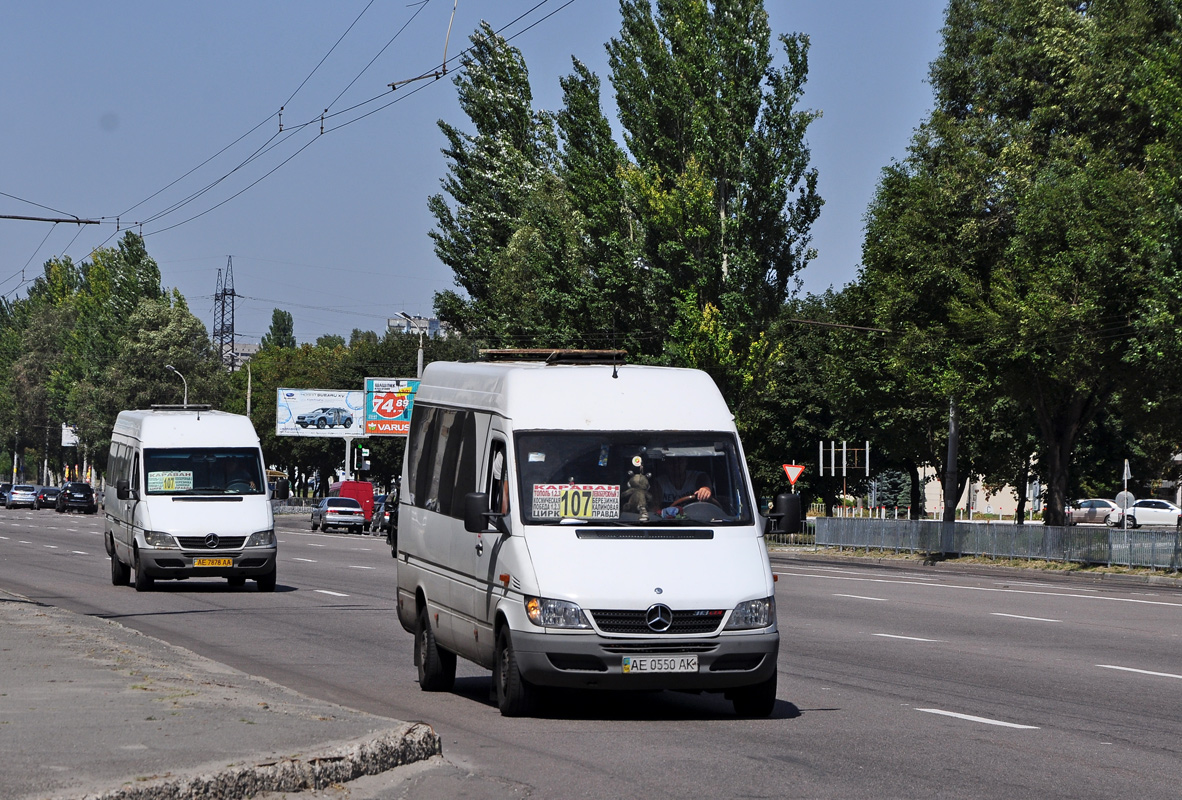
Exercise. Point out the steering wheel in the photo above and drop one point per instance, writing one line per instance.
(239, 486)
(691, 499)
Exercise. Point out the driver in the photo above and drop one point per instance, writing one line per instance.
(677, 483)
(234, 471)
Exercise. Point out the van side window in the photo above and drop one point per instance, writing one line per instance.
(421, 444)
(135, 473)
(498, 478)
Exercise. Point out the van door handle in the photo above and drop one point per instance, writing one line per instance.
(479, 547)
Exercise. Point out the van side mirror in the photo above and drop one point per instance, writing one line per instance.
(122, 489)
(282, 489)
(785, 516)
(475, 504)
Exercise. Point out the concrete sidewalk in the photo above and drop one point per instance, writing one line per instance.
(91, 709)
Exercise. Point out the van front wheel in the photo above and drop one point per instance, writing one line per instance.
(515, 696)
(437, 667)
(143, 581)
(120, 573)
(266, 583)
(755, 701)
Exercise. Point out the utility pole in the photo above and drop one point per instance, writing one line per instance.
(223, 316)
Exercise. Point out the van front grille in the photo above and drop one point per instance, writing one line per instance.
(223, 543)
(684, 622)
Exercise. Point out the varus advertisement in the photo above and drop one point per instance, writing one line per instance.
(388, 405)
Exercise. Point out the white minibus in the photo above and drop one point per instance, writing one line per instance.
(584, 526)
(186, 497)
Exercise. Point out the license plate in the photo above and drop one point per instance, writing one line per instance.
(213, 562)
(641, 665)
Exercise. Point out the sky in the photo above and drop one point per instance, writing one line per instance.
(166, 118)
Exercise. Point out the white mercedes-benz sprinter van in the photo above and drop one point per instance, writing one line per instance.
(583, 525)
(186, 497)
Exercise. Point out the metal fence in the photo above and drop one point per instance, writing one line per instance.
(1159, 548)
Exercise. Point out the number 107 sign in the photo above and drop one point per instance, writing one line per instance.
(388, 403)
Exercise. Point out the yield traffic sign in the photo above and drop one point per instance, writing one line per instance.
(793, 471)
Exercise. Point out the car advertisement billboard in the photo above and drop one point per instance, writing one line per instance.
(320, 412)
(388, 405)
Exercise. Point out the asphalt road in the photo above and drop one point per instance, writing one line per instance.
(893, 683)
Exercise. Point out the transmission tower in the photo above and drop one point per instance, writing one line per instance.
(223, 316)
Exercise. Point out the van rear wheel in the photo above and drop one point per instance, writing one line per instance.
(437, 667)
(515, 695)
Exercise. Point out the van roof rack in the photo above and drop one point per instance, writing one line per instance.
(554, 355)
(179, 407)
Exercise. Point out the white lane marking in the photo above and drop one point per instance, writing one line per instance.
(1043, 585)
(50, 546)
(79, 552)
(351, 566)
(984, 589)
(4, 538)
(326, 591)
(309, 560)
(1140, 671)
(861, 597)
(984, 720)
(1019, 616)
(22, 541)
(908, 638)
(313, 544)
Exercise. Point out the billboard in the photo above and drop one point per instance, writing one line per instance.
(388, 405)
(320, 412)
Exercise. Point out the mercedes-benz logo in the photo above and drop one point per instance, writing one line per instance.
(659, 617)
(211, 540)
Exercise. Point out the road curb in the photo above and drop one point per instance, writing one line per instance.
(338, 764)
(951, 567)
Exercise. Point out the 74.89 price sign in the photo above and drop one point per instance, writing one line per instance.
(388, 403)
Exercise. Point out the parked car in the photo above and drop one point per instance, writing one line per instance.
(5, 488)
(326, 418)
(22, 494)
(46, 497)
(1148, 512)
(1092, 510)
(76, 496)
(338, 512)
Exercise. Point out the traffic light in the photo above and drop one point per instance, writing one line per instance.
(360, 458)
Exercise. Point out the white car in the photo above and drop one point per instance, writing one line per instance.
(1147, 512)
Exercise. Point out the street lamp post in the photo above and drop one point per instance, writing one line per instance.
(173, 369)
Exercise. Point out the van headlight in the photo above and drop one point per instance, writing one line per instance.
(753, 614)
(160, 540)
(261, 539)
(555, 613)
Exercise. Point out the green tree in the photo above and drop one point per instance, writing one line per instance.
(281, 334)
(721, 177)
(1023, 244)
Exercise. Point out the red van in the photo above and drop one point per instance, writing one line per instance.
(361, 491)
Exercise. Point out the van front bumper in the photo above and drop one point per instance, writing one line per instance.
(597, 662)
(176, 564)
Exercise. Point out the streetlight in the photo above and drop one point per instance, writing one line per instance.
(411, 322)
(171, 368)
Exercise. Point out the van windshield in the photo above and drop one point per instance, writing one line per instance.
(203, 470)
(627, 478)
